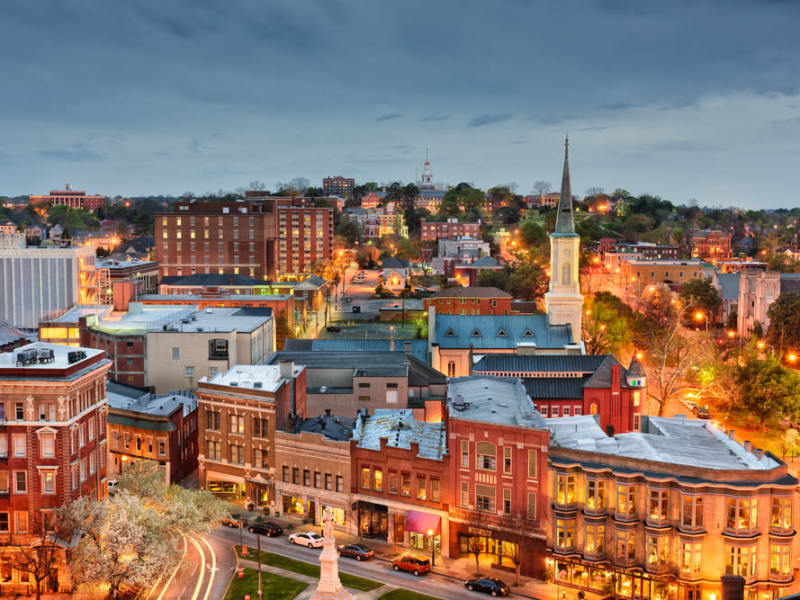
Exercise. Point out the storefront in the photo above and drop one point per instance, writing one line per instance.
(373, 520)
(259, 491)
(604, 578)
(423, 530)
(300, 507)
(502, 548)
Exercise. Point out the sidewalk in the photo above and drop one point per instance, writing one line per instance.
(456, 569)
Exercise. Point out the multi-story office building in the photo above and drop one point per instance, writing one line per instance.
(161, 428)
(710, 244)
(636, 275)
(665, 512)
(240, 412)
(42, 283)
(338, 186)
(261, 237)
(71, 198)
(128, 279)
(450, 229)
(52, 443)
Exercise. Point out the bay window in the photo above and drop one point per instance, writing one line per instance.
(657, 506)
(626, 500)
(742, 514)
(565, 534)
(657, 551)
(781, 514)
(565, 489)
(626, 545)
(691, 558)
(780, 566)
(691, 512)
(741, 561)
(595, 538)
(595, 494)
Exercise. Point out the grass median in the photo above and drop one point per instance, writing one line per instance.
(406, 595)
(274, 587)
(305, 568)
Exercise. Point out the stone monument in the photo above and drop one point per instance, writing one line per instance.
(329, 587)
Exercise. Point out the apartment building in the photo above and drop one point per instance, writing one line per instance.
(161, 428)
(450, 229)
(665, 512)
(240, 412)
(636, 275)
(470, 301)
(52, 444)
(338, 186)
(261, 237)
(71, 198)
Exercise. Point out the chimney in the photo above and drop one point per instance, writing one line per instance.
(731, 434)
(471, 361)
(414, 448)
(286, 368)
(748, 446)
(391, 344)
(732, 587)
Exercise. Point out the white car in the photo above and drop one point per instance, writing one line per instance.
(309, 539)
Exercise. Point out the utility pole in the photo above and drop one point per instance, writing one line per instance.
(258, 537)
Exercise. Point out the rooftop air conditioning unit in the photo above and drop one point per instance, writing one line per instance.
(258, 385)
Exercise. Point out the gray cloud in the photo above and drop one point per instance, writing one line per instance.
(435, 118)
(77, 152)
(389, 117)
(488, 119)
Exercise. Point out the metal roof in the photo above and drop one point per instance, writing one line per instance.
(551, 363)
(499, 331)
(562, 388)
(419, 348)
(400, 430)
(489, 399)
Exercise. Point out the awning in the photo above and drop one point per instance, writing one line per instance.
(422, 522)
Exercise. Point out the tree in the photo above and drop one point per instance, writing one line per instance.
(257, 186)
(766, 390)
(788, 442)
(492, 278)
(463, 197)
(605, 328)
(700, 296)
(350, 230)
(476, 549)
(314, 192)
(783, 332)
(542, 187)
(39, 554)
(532, 235)
(528, 281)
(295, 187)
(669, 356)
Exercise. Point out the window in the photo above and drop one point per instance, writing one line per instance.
(48, 445)
(296, 475)
(565, 534)
(48, 482)
(741, 561)
(532, 464)
(465, 454)
(595, 494)
(486, 456)
(162, 447)
(507, 460)
(451, 368)
(306, 477)
(92, 462)
(565, 489)
(566, 411)
(554, 411)
(91, 428)
(531, 508)
(657, 551)
(20, 482)
(464, 500)
(21, 525)
(626, 544)
(435, 490)
(422, 488)
(176, 354)
(691, 558)
(188, 371)
(19, 444)
(636, 397)
(637, 422)
(237, 454)
(212, 420)
(260, 458)
(657, 505)
(365, 478)
(20, 411)
(4, 522)
(484, 498)
(377, 477)
(339, 483)
(285, 474)
(237, 424)
(780, 565)
(260, 428)
(506, 502)
(781, 514)
(691, 512)
(328, 482)
(213, 451)
(405, 488)
(317, 479)
(742, 514)
(595, 538)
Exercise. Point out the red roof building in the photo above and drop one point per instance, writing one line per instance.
(470, 301)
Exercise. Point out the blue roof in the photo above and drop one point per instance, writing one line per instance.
(432, 193)
(419, 348)
(557, 363)
(499, 331)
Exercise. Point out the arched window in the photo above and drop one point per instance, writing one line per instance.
(451, 368)
(593, 408)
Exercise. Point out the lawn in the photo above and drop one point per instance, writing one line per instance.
(405, 595)
(304, 568)
(274, 587)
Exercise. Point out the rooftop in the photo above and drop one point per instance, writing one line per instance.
(729, 285)
(489, 399)
(134, 400)
(111, 263)
(675, 441)
(76, 312)
(333, 427)
(144, 318)
(41, 356)
(667, 262)
(418, 348)
(472, 292)
(394, 263)
(199, 279)
(499, 331)
(187, 298)
(400, 430)
(254, 377)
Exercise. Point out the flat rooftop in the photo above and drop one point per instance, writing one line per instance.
(667, 263)
(677, 441)
(76, 312)
(189, 298)
(489, 399)
(60, 359)
(254, 377)
(144, 318)
(111, 263)
(400, 430)
(124, 398)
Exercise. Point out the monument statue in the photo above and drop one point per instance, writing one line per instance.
(329, 587)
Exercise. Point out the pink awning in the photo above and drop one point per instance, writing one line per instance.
(422, 522)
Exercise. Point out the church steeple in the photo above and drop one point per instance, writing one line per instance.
(564, 220)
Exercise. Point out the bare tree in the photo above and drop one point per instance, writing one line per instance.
(542, 187)
(670, 355)
(258, 186)
(595, 191)
(475, 549)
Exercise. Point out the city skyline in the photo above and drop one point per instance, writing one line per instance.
(138, 100)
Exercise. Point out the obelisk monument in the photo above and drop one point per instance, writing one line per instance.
(329, 587)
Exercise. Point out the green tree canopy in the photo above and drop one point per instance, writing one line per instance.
(463, 195)
(783, 332)
(766, 391)
(531, 235)
(700, 297)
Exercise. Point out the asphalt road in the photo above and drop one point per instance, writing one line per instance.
(378, 570)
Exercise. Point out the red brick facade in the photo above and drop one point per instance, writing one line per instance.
(466, 305)
(448, 230)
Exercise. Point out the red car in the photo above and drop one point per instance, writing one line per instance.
(412, 564)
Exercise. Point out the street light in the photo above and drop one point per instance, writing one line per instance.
(433, 549)
(699, 316)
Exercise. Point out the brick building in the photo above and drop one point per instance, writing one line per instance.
(576, 385)
(470, 301)
(400, 480)
(148, 427)
(53, 442)
(637, 275)
(710, 244)
(450, 229)
(240, 412)
(262, 237)
(128, 279)
(665, 512)
(497, 444)
(372, 200)
(71, 198)
(338, 186)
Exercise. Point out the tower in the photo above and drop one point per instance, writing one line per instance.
(426, 181)
(564, 300)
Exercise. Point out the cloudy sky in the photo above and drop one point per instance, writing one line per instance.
(685, 99)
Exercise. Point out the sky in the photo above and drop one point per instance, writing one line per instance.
(686, 99)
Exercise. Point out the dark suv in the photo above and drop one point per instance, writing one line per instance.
(265, 528)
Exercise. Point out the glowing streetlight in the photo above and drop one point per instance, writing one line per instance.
(760, 345)
(792, 357)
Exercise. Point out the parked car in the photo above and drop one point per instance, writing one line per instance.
(112, 487)
(348, 299)
(310, 539)
(357, 551)
(333, 328)
(412, 564)
(701, 412)
(232, 521)
(356, 309)
(488, 585)
(265, 528)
